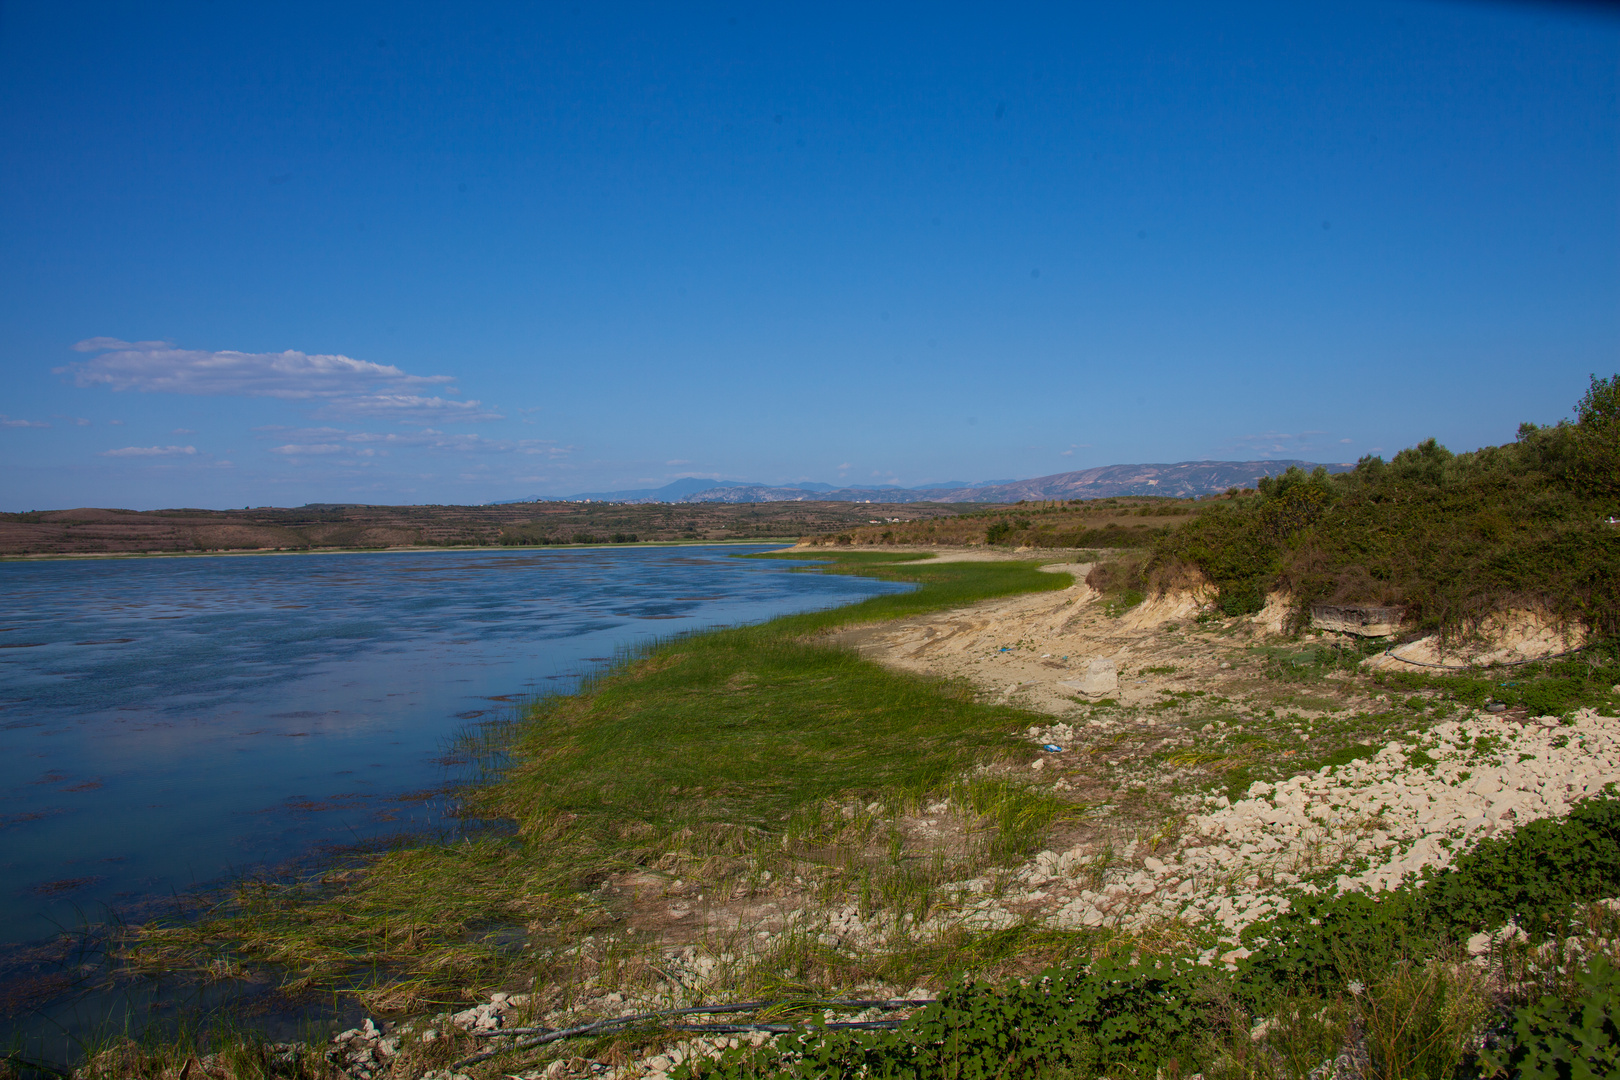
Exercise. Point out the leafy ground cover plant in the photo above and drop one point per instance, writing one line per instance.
(1079, 1021)
(1531, 878)
(1549, 688)
(1573, 1038)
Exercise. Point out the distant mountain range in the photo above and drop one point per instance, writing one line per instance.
(1180, 480)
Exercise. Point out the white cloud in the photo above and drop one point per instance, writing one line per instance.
(329, 440)
(308, 450)
(9, 421)
(410, 409)
(150, 451)
(342, 384)
(1272, 444)
(677, 461)
(183, 431)
(81, 422)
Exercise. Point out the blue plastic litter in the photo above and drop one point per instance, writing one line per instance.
(1052, 748)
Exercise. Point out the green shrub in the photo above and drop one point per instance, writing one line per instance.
(1420, 1019)
(1447, 537)
(1594, 465)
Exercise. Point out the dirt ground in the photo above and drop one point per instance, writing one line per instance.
(1023, 649)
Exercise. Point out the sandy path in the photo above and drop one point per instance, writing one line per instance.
(1022, 648)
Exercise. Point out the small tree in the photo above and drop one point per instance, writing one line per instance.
(1595, 461)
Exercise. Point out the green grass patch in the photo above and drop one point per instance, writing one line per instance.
(1547, 688)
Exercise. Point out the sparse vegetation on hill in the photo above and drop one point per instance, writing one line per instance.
(1077, 523)
(328, 527)
(1451, 538)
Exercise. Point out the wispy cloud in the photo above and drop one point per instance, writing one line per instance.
(342, 385)
(309, 449)
(183, 431)
(329, 441)
(410, 409)
(1273, 444)
(150, 451)
(11, 421)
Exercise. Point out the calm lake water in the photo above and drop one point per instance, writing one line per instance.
(165, 722)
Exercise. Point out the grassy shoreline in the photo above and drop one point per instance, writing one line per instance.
(721, 761)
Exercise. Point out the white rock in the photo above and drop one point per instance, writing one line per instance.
(1101, 677)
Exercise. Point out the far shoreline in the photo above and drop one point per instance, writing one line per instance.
(48, 556)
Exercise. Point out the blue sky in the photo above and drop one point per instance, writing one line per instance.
(273, 254)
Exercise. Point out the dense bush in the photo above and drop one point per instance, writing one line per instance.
(1449, 537)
